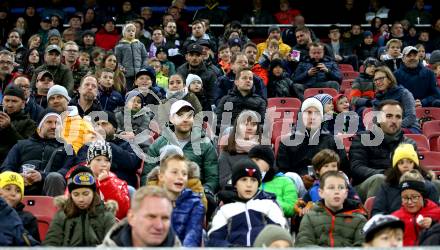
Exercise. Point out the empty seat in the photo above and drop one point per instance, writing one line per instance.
(350, 75)
(43, 208)
(346, 84)
(431, 129)
(428, 114)
(315, 91)
(430, 160)
(346, 67)
(283, 102)
(421, 141)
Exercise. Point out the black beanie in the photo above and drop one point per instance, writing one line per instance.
(245, 168)
(111, 118)
(276, 62)
(14, 90)
(418, 186)
(81, 177)
(264, 153)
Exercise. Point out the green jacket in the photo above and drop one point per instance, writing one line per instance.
(206, 159)
(285, 191)
(86, 229)
(322, 227)
(62, 75)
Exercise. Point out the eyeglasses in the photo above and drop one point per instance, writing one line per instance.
(7, 62)
(413, 199)
(379, 79)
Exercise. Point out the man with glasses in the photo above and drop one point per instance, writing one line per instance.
(6, 67)
(71, 55)
(62, 75)
(31, 106)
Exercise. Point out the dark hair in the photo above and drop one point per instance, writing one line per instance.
(250, 44)
(323, 157)
(391, 102)
(231, 147)
(71, 210)
(329, 174)
(223, 47)
(28, 68)
(302, 29)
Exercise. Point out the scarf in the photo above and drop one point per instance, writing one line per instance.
(179, 94)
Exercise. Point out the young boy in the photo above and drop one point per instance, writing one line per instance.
(12, 191)
(362, 89)
(109, 98)
(145, 81)
(162, 55)
(335, 221)
(383, 231)
(239, 223)
(194, 84)
(84, 59)
(393, 57)
(273, 182)
(224, 56)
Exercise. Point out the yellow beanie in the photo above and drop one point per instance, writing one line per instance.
(405, 151)
(9, 177)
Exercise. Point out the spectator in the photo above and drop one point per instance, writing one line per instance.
(212, 12)
(88, 41)
(412, 36)
(198, 33)
(54, 37)
(81, 213)
(162, 55)
(109, 98)
(396, 32)
(75, 23)
(173, 43)
(208, 57)
(194, 85)
(418, 15)
(362, 89)
(231, 222)
(177, 90)
(335, 230)
(12, 191)
(367, 172)
(289, 34)
(86, 101)
(90, 22)
(250, 50)
(127, 13)
(52, 63)
(148, 222)
(423, 38)
(98, 59)
(328, 123)
(387, 88)
(109, 61)
(422, 54)
(258, 15)
(393, 57)
(22, 27)
(280, 85)
(388, 198)
(286, 15)
(107, 37)
(376, 8)
(234, 30)
(31, 61)
(32, 18)
(43, 84)
(15, 123)
(273, 236)
(224, 58)
(31, 107)
(342, 53)
(47, 159)
(14, 44)
(146, 84)
(71, 55)
(353, 38)
(273, 32)
(131, 54)
(71, 35)
(383, 231)
(368, 47)
(84, 59)
(157, 40)
(43, 32)
(7, 59)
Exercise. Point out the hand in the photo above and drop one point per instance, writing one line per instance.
(308, 181)
(25, 178)
(5, 120)
(312, 71)
(322, 67)
(103, 175)
(338, 58)
(33, 176)
(425, 223)
(418, 103)
(127, 135)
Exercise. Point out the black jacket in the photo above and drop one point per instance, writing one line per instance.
(96, 106)
(30, 223)
(33, 108)
(367, 161)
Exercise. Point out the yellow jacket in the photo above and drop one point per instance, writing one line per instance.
(76, 130)
(284, 48)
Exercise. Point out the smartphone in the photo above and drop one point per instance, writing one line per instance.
(315, 64)
(311, 171)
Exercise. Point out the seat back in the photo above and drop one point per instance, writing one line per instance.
(349, 74)
(346, 84)
(430, 160)
(421, 141)
(431, 128)
(283, 102)
(427, 114)
(346, 67)
(43, 208)
(369, 205)
(315, 91)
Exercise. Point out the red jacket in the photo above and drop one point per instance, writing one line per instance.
(261, 72)
(107, 40)
(113, 188)
(412, 229)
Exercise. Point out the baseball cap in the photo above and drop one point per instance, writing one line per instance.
(53, 47)
(204, 42)
(46, 19)
(43, 74)
(195, 48)
(378, 222)
(409, 49)
(178, 105)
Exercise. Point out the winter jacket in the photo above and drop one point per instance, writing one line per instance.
(206, 158)
(296, 158)
(284, 189)
(19, 53)
(110, 100)
(261, 72)
(326, 228)
(302, 77)
(407, 101)
(412, 229)
(30, 223)
(388, 199)
(393, 63)
(421, 82)
(281, 87)
(33, 109)
(113, 188)
(313, 193)
(284, 48)
(12, 232)
(237, 224)
(430, 237)
(140, 121)
(362, 90)
(251, 101)
(226, 83)
(208, 78)
(120, 236)
(76, 130)
(21, 127)
(85, 229)
(62, 75)
(132, 55)
(96, 106)
(106, 40)
(368, 160)
(225, 162)
(364, 51)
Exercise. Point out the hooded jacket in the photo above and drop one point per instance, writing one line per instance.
(132, 55)
(283, 188)
(284, 48)
(110, 99)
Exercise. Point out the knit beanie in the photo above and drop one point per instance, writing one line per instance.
(58, 90)
(88, 33)
(98, 148)
(53, 32)
(324, 98)
(132, 94)
(418, 186)
(367, 34)
(273, 28)
(271, 233)
(9, 177)
(435, 57)
(405, 151)
(14, 90)
(274, 63)
(313, 102)
(245, 168)
(81, 177)
(335, 101)
(191, 78)
(263, 152)
(46, 114)
(168, 150)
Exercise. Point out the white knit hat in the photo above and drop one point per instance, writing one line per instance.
(313, 102)
(58, 90)
(191, 78)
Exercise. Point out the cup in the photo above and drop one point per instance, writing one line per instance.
(27, 168)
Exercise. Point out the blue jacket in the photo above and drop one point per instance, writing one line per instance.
(421, 82)
(33, 108)
(187, 218)
(407, 101)
(302, 77)
(110, 100)
(239, 223)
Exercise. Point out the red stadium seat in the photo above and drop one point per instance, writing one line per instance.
(315, 91)
(346, 84)
(43, 208)
(436, 145)
(281, 127)
(369, 205)
(349, 75)
(346, 67)
(347, 140)
(284, 113)
(283, 102)
(367, 119)
(430, 160)
(421, 141)
(431, 129)
(428, 114)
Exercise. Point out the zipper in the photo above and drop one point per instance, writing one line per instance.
(248, 220)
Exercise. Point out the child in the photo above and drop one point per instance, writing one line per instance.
(362, 89)
(108, 185)
(368, 48)
(188, 212)
(393, 57)
(269, 53)
(131, 54)
(328, 122)
(161, 78)
(234, 45)
(109, 98)
(274, 236)
(280, 85)
(84, 59)
(82, 220)
(334, 221)
(194, 85)
(417, 212)
(145, 81)
(341, 106)
(162, 55)
(232, 225)
(224, 56)
(12, 191)
(383, 231)
(273, 182)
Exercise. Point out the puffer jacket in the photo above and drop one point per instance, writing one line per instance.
(86, 229)
(367, 161)
(362, 90)
(302, 77)
(325, 228)
(76, 130)
(239, 223)
(21, 127)
(140, 121)
(281, 87)
(284, 48)
(113, 188)
(132, 55)
(206, 158)
(120, 236)
(110, 99)
(412, 229)
(30, 223)
(284, 189)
